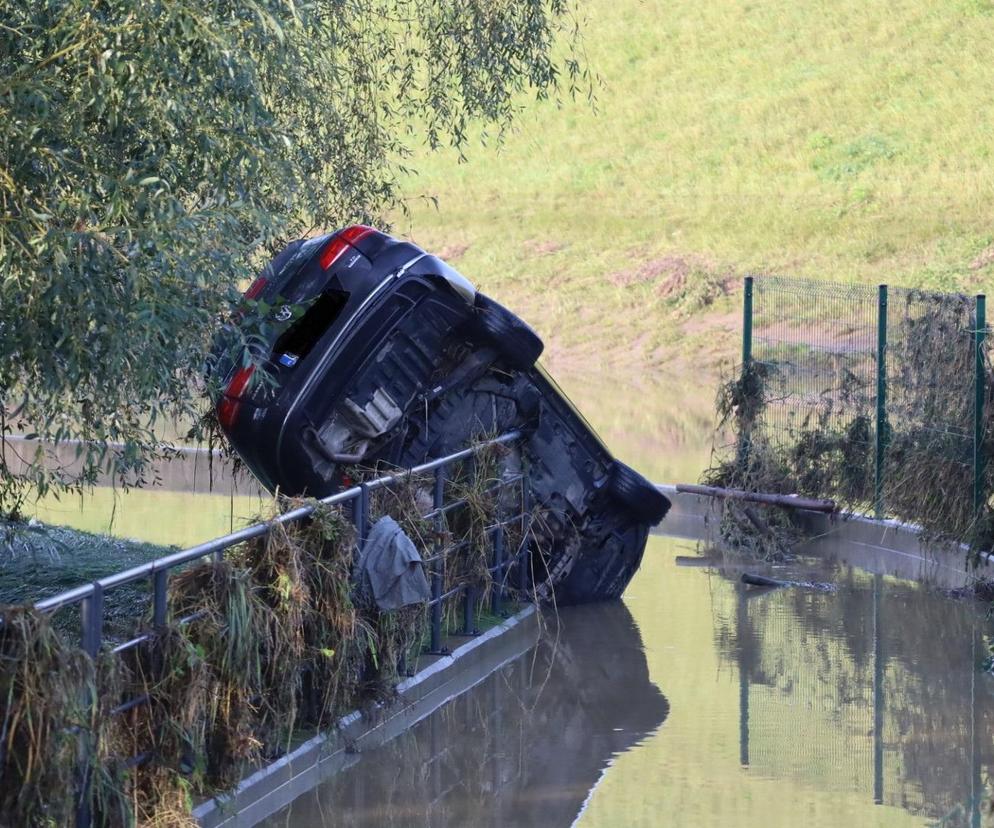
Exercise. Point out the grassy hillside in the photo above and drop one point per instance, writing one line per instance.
(838, 140)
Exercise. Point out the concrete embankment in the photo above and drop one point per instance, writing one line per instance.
(439, 679)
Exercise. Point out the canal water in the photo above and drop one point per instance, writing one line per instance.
(697, 702)
(693, 702)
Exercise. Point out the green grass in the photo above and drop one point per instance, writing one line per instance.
(38, 561)
(843, 141)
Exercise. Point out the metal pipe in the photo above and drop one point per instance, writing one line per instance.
(785, 501)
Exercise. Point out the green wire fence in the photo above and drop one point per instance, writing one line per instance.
(877, 396)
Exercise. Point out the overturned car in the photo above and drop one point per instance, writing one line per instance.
(368, 350)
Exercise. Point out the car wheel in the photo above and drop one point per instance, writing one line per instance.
(517, 342)
(645, 502)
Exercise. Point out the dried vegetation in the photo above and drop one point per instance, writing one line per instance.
(258, 648)
(829, 449)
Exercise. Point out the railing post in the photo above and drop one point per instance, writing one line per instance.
(979, 461)
(524, 554)
(469, 593)
(882, 424)
(91, 637)
(360, 515)
(498, 583)
(438, 573)
(747, 323)
(469, 612)
(92, 620)
(160, 583)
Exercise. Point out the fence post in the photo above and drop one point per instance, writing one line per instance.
(160, 596)
(742, 454)
(747, 324)
(979, 464)
(360, 515)
(91, 639)
(469, 593)
(498, 581)
(882, 425)
(524, 552)
(438, 576)
(469, 612)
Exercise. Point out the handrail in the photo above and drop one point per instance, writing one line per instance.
(137, 573)
(91, 596)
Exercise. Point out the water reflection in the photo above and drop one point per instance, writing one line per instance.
(660, 425)
(525, 748)
(874, 690)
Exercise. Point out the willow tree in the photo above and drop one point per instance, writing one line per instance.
(153, 152)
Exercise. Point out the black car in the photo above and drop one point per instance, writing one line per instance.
(378, 352)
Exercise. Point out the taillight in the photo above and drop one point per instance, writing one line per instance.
(338, 245)
(227, 408)
(256, 288)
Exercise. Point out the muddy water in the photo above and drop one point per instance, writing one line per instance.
(696, 703)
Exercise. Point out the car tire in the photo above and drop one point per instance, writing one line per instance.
(643, 500)
(518, 344)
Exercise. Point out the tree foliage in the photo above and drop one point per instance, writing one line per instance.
(154, 152)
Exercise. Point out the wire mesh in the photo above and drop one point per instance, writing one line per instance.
(931, 408)
(818, 342)
(816, 345)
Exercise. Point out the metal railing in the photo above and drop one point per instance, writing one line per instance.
(91, 596)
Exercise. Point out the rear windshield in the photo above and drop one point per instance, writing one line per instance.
(301, 336)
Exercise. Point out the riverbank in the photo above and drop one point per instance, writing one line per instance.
(40, 560)
(726, 139)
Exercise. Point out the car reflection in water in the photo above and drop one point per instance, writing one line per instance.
(525, 747)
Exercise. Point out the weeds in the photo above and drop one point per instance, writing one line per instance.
(45, 693)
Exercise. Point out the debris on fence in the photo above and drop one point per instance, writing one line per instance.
(876, 399)
(252, 646)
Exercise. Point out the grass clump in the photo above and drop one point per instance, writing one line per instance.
(44, 686)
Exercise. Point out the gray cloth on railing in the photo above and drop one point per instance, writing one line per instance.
(390, 570)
